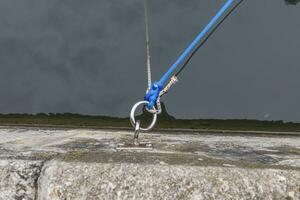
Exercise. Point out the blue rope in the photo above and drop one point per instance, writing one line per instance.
(153, 93)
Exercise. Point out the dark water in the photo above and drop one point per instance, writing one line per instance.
(89, 57)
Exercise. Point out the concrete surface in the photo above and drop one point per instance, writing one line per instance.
(40, 163)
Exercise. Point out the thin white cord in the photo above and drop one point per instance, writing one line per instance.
(148, 45)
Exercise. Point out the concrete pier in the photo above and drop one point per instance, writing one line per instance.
(41, 163)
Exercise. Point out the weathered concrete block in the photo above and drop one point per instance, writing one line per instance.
(18, 179)
(76, 180)
(81, 164)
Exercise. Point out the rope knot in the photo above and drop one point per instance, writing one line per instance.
(153, 94)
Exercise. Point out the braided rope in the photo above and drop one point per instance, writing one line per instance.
(147, 45)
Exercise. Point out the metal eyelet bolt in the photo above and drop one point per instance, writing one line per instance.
(136, 133)
(132, 116)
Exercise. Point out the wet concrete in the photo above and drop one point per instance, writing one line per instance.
(268, 155)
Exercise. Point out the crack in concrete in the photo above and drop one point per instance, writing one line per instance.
(36, 181)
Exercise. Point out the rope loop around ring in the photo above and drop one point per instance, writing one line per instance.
(132, 116)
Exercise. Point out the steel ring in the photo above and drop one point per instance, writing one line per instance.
(132, 116)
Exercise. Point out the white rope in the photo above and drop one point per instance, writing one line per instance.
(148, 45)
(172, 82)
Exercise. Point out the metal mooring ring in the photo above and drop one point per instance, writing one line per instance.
(132, 116)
